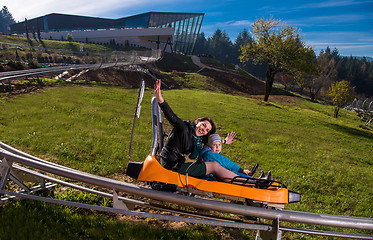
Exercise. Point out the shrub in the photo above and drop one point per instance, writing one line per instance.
(16, 65)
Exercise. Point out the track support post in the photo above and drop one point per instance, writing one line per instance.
(5, 173)
(275, 234)
(119, 203)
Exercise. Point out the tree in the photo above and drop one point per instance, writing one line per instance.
(38, 29)
(6, 19)
(286, 80)
(281, 47)
(200, 47)
(326, 62)
(27, 32)
(221, 46)
(242, 39)
(341, 92)
(69, 37)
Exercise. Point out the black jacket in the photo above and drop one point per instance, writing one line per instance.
(179, 142)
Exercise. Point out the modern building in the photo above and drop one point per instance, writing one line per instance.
(175, 32)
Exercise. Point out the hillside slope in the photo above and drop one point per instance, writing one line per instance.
(176, 70)
(223, 77)
(89, 127)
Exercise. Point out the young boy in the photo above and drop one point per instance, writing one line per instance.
(212, 152)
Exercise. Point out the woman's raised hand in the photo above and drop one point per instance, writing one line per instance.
(157, 91)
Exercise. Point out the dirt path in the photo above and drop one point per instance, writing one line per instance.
(197, 61)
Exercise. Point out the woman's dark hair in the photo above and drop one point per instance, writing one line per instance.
(213, 127)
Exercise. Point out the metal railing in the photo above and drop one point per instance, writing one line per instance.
(10, 156)
(364, 110)
(91, 60)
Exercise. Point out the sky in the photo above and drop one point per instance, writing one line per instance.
(346, 25)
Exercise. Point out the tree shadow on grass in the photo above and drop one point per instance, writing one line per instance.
(36, 220)
(351, 131)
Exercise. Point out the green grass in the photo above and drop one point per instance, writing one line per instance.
(27, 220)
(76, 127)
(48, 52)
(329, 161)
(176, 62)
(53, 44)
(217, 63)
(195, 81)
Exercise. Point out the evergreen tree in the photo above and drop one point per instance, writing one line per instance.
(243, 39)
(220, 46)
(358, 72)
(6, 19)
(200, 47)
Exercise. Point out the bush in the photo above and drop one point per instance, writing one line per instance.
(32, 65)
(16, 65)
(69, 37)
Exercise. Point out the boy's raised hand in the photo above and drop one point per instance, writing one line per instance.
(230, 138)
(247, 172)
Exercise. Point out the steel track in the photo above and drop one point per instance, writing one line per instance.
(13, 155)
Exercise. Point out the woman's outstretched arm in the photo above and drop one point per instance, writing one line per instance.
(157, 91)
(172, 118)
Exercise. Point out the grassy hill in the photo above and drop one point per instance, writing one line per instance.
(177, 71)
(329, 161)
(87, 126)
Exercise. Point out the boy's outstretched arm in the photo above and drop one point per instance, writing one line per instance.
(230, 138)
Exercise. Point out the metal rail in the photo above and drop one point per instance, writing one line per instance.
(143, 214)
(11, 155)
(132, 57)
(200, 203)
(364, 110)
(105, 194)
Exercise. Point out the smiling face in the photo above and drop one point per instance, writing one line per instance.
(203, 128)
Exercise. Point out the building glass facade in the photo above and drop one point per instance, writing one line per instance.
(186, 25)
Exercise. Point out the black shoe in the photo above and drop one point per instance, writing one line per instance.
(269, 176)
(268, 184)
(263, 183)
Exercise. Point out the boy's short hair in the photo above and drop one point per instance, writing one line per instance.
(212, 139)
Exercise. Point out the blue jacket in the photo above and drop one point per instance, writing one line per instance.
(208, 156)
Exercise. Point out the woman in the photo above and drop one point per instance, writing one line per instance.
(186, 138)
